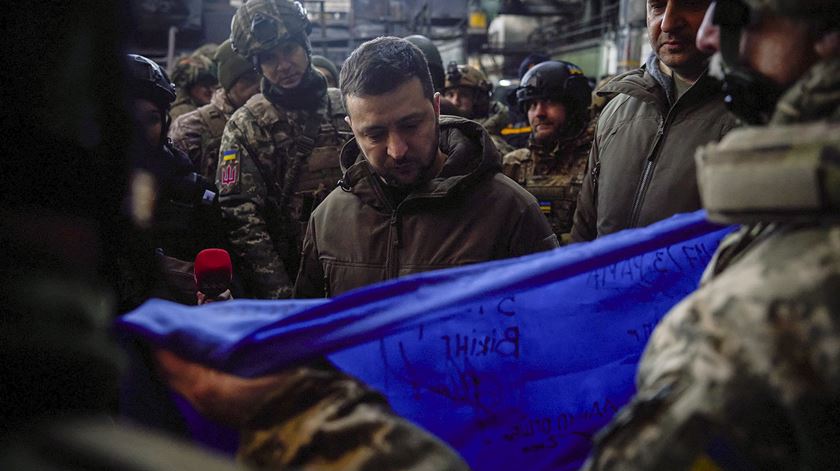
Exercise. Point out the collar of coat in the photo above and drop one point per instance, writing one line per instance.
(471, 157)
(221, 100)
(641, 84)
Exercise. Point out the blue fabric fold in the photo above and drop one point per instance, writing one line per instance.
(514, 363)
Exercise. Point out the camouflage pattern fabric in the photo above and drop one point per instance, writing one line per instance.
(743, 373)
(190, 69)
(182, 105)
(268, 254)
(554, 178)
(199, 133)
(497, 119)
(323, 419)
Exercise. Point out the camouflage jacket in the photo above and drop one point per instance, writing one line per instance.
(497, 119)
(743, 373)
(554, 178)
(199, 133)
(183, 104)
(323, 419)
(261, 137)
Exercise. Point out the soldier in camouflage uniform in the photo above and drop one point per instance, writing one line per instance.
(556, 97)
(199, 132)
(196, 80)
(743, 374)
(468, 89)
(279, 152)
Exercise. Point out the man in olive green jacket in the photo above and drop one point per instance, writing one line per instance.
(418, 193)
(641, 167)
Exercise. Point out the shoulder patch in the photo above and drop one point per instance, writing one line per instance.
(229, 172)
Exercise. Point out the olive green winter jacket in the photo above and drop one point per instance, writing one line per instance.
(469, 213)
(641, 167)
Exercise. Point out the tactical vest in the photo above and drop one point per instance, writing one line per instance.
(764, 176)
(321, 170)
(772, 174)
(214, 120)
(555, 181)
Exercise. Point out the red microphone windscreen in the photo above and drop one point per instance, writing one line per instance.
(213, 271)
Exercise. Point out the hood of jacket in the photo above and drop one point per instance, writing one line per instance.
(471, 156)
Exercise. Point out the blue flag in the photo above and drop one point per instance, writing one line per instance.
(514, 363)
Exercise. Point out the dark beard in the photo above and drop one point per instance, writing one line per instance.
(426, 172)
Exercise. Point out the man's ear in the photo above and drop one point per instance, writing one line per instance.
(347, 120)
(436, 104)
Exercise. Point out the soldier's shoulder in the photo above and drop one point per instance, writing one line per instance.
(799, 135)
(517, 156)
(180, 109)
(188, 121)
(257, 111)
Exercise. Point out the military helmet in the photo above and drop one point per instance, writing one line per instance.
(561, 81)
(231, 65)
(193, 69)
(433, 58)
(555, 80)
(466, 76)
(148, 80)
(261, 25)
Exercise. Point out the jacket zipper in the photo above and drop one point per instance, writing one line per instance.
(647, 175)
(393, 246)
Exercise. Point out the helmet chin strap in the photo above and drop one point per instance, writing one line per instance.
(748, 94)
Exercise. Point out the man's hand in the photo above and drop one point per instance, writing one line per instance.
(223, 397)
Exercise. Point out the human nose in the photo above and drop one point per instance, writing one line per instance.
(708, 36)
(396, 146)
(673, 18)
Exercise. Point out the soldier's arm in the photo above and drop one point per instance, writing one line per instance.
(324, 419)
(310, 282)
(186, 134)
(689, 392)
(585, 219)
(242, 197)
(307, 416)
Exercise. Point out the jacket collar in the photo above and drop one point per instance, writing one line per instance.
(471, 156)
(642, 84)
(221, 101)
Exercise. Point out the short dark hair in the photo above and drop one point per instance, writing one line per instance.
(383, 64)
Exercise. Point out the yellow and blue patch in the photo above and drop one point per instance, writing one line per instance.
(229, 155)
(545, 207)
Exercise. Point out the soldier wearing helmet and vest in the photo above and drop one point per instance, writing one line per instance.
(556, 97)
(196, 78)
(743, 373)
(279, 152)
(182, 207)
(468, 90)
(199, 132)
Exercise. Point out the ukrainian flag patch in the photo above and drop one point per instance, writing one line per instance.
(229, 155)
(545, 207)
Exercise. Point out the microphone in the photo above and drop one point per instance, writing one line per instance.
(213, 272)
